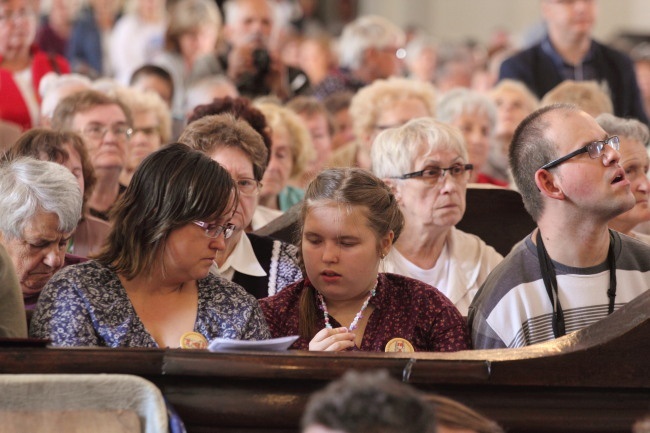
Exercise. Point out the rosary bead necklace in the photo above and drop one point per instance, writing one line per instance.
(359, 316)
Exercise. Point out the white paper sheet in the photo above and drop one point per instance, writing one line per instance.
(272, 345)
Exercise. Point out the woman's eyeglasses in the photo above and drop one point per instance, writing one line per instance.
(214, 230)
(435, 174)
(247, 186)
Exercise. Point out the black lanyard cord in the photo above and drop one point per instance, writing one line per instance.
(550, 282)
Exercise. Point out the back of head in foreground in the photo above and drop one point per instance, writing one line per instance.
(368, 402)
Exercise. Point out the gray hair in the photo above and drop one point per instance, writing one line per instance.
(465, 101)
(415, 47)
(369, 31)
(395, 149)
(205, 90)
(28, 186)
(54, 87)
(509, 85)
(630, 128)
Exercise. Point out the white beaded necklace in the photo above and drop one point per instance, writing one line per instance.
(359, 315)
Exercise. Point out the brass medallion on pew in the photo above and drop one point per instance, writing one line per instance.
(193, 340)
(399, 345)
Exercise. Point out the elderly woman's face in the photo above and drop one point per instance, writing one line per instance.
(397, 114)
(321, 138)
(104, 130)
(145, 139)
(73, 164)
(17, 27)
(240, 167)
(512, 108)
(198, 42)
(39, 253)
(476, 131)
(430, 203)
(634, 160)
(280, 165)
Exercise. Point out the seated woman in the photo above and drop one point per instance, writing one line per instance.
(383, 104)
(349, 220)
(68, 149)
(152, 127)
(151, 285)
(242, 108)
(263, 266)
(291, 153)
(40, 204)
(425, 163)
(634, 137)
(320, 126)
(475, 115)
(514, 101)
(22, 64)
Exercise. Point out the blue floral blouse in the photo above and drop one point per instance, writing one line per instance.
(86, 305)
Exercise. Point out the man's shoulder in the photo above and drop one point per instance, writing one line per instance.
(525, 56)
(632, 254)
(609, 52)
(518, 267)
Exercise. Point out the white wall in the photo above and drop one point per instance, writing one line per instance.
(459, 19)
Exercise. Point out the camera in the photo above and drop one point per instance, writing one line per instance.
(252, 83)
(261, 60)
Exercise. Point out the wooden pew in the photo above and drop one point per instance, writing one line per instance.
(496, 215)
(596, 380)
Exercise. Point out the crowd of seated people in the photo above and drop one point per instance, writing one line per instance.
(143, 143)
(288, 139)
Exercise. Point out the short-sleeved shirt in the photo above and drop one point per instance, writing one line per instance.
(513, 309)
(403, 308)
(86, 305)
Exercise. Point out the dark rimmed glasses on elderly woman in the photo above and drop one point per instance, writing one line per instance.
(594, 149)
(435, 174)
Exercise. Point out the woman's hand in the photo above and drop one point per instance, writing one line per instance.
(332, 340)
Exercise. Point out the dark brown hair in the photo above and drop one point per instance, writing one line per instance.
(241, 108)
(172, 187)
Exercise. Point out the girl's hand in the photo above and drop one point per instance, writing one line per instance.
(332, 340)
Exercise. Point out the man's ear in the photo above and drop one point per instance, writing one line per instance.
(548, 185)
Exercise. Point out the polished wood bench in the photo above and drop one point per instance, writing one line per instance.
(595, 380)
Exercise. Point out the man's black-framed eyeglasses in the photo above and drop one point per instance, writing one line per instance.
(434, 174)
(594, 149)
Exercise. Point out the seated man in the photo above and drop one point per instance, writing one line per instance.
(251, 62)
(571, 271)
(40, 205)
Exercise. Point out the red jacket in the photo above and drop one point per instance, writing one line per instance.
(12, 104)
